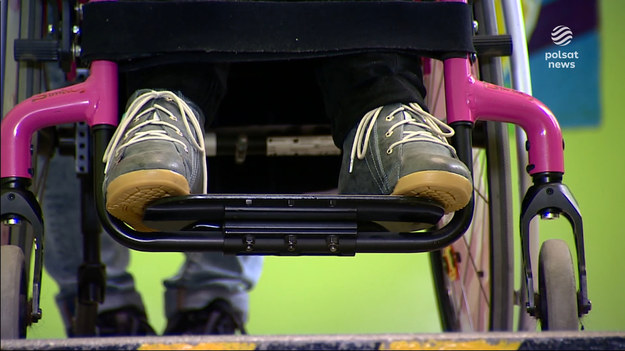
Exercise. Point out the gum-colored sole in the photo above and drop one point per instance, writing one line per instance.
(451, 190)
(128, 195)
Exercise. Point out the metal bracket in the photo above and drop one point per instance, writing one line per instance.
(548, 199)
(18, 204)
(82, 149)
(290, 238)
(240, 149)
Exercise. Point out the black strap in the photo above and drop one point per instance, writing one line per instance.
(236, 31)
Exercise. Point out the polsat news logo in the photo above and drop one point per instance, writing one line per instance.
(561, 36)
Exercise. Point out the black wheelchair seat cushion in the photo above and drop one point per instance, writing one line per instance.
(231, 31)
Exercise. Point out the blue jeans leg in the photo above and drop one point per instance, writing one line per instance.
(202, 278)
(208, 276)
(63, 244)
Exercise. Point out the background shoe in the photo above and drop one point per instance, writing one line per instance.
(219, 317)
(126, 321)
(156, 151)
(402, 150)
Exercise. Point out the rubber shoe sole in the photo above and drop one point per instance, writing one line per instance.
(451, 190)
(128, 195)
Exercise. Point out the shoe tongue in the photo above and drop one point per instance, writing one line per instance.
(153, 115)
(407, 115)
(168, 105)
(134, 96)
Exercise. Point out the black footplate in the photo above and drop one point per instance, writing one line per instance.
(289, 224)
(301, 211)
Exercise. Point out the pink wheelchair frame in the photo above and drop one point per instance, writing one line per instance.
(468, 100)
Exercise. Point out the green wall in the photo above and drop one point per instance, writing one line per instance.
(373, 293)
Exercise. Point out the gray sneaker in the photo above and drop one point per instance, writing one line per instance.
(400, 149)
(156, 151)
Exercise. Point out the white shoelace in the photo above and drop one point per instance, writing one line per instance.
(187, 114)
(435, 131)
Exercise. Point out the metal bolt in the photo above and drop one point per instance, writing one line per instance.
(249, 243)
(549, 215)
(333, 243)
(76, 50)
(473, 57)
(291, 242)
(531, 310)
(79, 11)
(11, 221)
(36, 315)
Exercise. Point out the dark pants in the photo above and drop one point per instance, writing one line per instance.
(349, 86)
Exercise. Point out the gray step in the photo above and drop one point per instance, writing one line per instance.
(449, 341)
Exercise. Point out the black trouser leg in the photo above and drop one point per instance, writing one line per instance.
(203, 83)
(355, 84)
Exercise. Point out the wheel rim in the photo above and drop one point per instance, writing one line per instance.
(474, 277)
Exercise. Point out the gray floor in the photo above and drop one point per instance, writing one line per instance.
(450, 341)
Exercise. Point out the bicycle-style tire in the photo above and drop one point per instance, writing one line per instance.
(26, 22)
(474, 277)
(557, 287)
(13, 293)
(480, 257)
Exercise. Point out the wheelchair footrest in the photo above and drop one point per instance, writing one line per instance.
(316, 211)
(289, 224)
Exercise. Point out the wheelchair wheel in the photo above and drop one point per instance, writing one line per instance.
(474, 277)
(13, 293)
(21, 81)
(557, 288)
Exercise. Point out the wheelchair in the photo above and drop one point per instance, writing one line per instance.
(471, 251)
